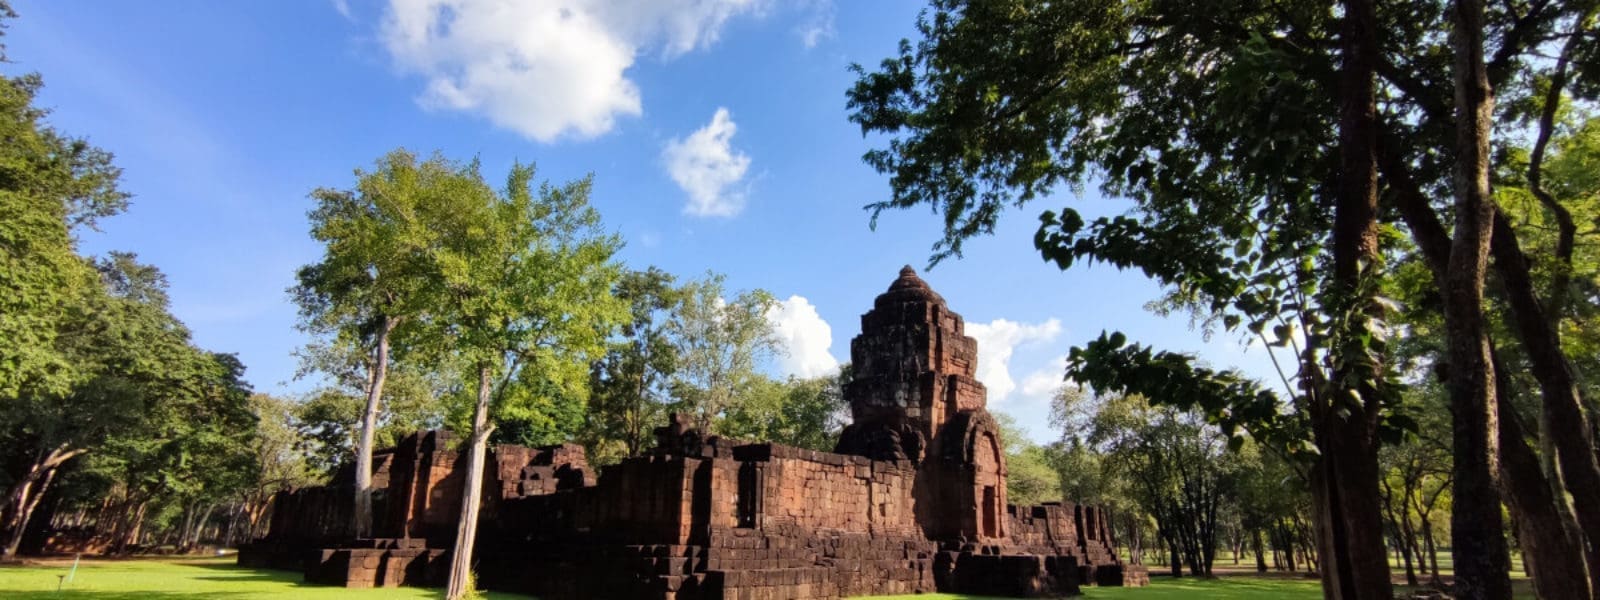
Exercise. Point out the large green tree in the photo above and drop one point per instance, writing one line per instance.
(50, 185)
(524, 278)
(369, 283)
(1253, 145)
(161, 422)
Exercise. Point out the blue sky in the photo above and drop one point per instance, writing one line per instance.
(716, 131)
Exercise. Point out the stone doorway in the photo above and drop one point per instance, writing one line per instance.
(990, 509)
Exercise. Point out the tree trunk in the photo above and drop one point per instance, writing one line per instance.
(1569, 428)
(369, 426)
(21, 496)
(1562, 405)
(471, 494)
(1349, 537)
(1261, 561)
(127, 529)
(1552, 546)
(1433, 550)
(182, 545)
(1482, 564)
(1135, 539)
(233, 525)
(198, 537)
(1400, 525)
(24, 510)
(44, 462)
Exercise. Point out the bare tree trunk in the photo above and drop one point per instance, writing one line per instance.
(369, 426)
(24, 510)
(471, 493)
(129, 526)
(1482, 564)
(198, 537)
(233, 525)
(44, 462)
(182, 545)
(1261, 561)
(21, 497)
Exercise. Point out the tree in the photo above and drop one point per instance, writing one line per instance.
(524, 280)
(1483, 565)
(814, 412)
(280, 460)
(1247, 137)
(804, 413)
(50, 185)
(328, 420)
(630, 384)
(367, 284)
(1031, 477)
(132, 357)
(719, 344)
(1175, 465)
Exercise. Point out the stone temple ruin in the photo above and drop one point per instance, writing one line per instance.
(912, 500)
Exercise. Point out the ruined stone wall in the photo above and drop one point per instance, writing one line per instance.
(825, 492)
(423, 495)
(1049, 527)
(522, 471)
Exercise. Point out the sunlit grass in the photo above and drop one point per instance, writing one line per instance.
(179, 579)
(196, 579)
(1226, 588)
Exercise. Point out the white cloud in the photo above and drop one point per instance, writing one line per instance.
(806, 336)
(817, 24)
(1041, 385)
(706, 165)
(546, 69)
(1044, 382)
(342, 7)
(997, 341)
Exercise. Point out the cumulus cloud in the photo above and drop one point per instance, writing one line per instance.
(708, 168)
(546, 69)
(997, 341)
(806, 336)
(1043, 383)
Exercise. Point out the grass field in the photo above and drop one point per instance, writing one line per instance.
(202, 578)
(181, 579)
(1226, 588)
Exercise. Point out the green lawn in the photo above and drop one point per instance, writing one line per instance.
(180, 579)
(196, 579)
(1162, 588)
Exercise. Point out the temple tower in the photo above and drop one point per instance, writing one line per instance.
(913, 396)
